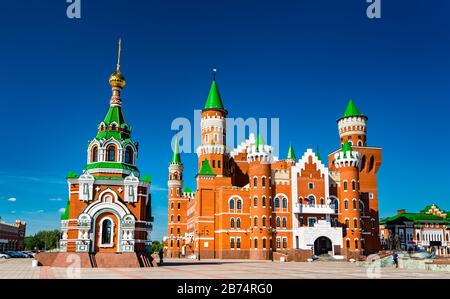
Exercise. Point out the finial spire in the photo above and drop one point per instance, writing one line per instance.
(118, 54)
(214, 72)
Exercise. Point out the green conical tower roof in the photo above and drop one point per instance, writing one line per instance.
(259, 142)
(176, 158)
(318, 153)
(214, 100)
(291, 154)
(352, 110)
(206, 168)
(346, 147)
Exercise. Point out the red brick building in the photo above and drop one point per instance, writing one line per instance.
(12, 236)
(249, 204)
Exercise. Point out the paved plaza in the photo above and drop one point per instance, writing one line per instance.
(214, 269)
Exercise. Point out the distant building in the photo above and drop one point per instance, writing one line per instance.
(427, 230)
(12, 236)
(249, 204)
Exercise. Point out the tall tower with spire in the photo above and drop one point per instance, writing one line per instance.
(109, 208)
(177, 205)
(213, 130)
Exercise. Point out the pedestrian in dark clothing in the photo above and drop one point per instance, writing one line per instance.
(161, 256)
(395, 260)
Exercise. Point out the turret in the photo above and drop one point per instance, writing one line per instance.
(176, 208)
(259, 158)
(290, 158)
(353, 126)
(213, 126)
(347, 163)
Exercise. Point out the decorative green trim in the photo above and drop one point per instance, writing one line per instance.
(187, 190)
(72, 175)
(115, 165)
(318, 153)
(146, 179)
(65, 216)
(259, 142)
(206, 168)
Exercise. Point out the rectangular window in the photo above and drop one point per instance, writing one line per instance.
(232, 243)
(278, 243)
(238, 243)
(264, 243)
(179, 205)
(218, 164)
(284, 242)
(312, 221)
(214, 163)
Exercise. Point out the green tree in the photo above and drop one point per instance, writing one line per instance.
(43, 240)
(156, 246)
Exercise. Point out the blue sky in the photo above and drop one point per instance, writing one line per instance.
(299, 61)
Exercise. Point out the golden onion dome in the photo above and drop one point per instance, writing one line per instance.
(117, 79)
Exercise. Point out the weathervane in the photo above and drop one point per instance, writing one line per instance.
(214, 72)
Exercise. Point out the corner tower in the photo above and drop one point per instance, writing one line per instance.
(177, 205)
(260, 158)
(347, 163)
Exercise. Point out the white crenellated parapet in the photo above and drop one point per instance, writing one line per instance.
(215, 123)
(175, 184)
(212, 149)
(188, 194)
(176, 168)
(346, 159)
(352, 125)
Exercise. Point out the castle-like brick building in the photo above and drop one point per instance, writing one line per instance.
(249, 204)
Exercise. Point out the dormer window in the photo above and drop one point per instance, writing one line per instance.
(94, 154)
(113, 127)
(129, 155)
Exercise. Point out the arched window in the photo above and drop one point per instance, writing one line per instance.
(353, 185)
(284, 203)
(232, 204)
(238, 223)
(111, 153)
(113, 127)
(264, 221)
(232, 222)
(94, 154)
(345, 186)
(255, 201)
(312, 199)
(355, 223)
(361, 207)
(263, 201)
(171, 218)
(106, 231)
(284, 222)
(263, 181)
(346, 204)
(129, 155)
(255, 221)
(171, 205)
(347, 223)
(278, 221)
(178, 218)
(371, 162)
(277, 202)
(360, 143)
(363, 162)
(255, 182)
(264, 243)
(322, 202)
(354, 204)
(256, 243)
(239, 204)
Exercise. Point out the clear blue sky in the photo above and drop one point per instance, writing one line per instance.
(299, 61)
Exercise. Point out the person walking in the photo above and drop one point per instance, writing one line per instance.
(395, 260)
(161, 256)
